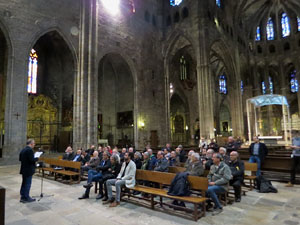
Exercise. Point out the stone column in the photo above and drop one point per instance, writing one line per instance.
(16, 103)
(86, 83)
(283, 86)
(256, 82)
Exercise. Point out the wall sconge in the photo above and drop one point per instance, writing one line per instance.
(142, 124)
(186, 127)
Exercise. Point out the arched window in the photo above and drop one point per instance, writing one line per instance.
(32, 72)
(298, 22)
(294, 82)
(183, 68)
(285, 25)
(270, 29)
(218, 3)
(242, 86)
(175, 2)
(271, 87)
(223, 84)
(263, 87)
(257, 37)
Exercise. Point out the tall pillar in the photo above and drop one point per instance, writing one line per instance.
(86, 83)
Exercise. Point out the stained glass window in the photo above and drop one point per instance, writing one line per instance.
(270, 29)
(175, 2)
(298, 22)
(242, 87)
(294, 82)
(218, 3)
(285, 25)
(223, 84)
(257, 38)
(183, 69)
(32, 72)
(271, 88)
(263, 87)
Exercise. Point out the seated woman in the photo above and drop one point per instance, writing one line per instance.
(113, 173)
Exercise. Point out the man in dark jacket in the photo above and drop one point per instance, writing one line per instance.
(152, 159)
(231, 145)
(258, 152)
(27, 160)
(69, 154)
(237, 171)
(181, 153)
(96, 175)
(85, 157)
(161, 163)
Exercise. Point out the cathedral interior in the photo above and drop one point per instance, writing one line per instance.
(139, 72)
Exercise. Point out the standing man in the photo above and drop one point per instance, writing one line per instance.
(296, 158)
(27, 170)
(258, 151)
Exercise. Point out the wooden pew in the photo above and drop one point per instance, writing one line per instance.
(196, 183)
(52, 163)
(253, 168)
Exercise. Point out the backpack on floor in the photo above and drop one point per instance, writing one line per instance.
(264, 185)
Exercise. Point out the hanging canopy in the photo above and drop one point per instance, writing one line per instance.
(263, 100)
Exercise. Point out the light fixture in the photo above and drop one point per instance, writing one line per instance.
(112, 6)
(186, 127)
(142, 124)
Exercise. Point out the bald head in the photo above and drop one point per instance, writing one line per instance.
(234, 156)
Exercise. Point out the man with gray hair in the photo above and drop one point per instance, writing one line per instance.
(225, 157)
(161, 163)
(208, 162)
(196, 167)
(218, 180)
(152, 158)
(187, 164)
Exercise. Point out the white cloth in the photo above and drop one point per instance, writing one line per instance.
(129, 176)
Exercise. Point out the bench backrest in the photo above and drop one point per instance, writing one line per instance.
(250, 166)
(61, 163)
(176, 169)
(196, 183)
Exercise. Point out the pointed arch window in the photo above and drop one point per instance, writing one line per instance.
(257, 37)
(183, 68)
(271, 87)
(32, 72)
(223, 84)
(285, 25)
(263, 87)
(175, 2)
(242, 87)
(218, 3)
(294, 82)
(298, 23)
(270, 29)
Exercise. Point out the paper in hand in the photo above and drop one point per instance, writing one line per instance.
(38, 154)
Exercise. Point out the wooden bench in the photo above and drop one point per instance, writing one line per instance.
(252, 167)
(64, 165)
(164, 179)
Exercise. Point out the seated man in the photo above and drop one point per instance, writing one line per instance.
(77, 157)
(69, 154)
(96, 175)
(126, 177)
(188, 161)
(231, 145)
(92, 164)
(181, 153)
(225, 157)
(152, 159)
(85, 157)
(196, 167)
(237, 170)
(137, 160)
(208, 161)
(174, 159)
(218, 180)
(161, 163)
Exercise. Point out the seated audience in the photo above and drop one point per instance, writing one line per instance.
(174, 159)
(69, 154)
(109, 150)
(125, 177)
(208, 161)
(218, 178)
(112, 174)
(100, 151)
(168, 147)
(146, 162)
(203, 143)
(237, 170)
(97, 174)
(188, 161)
(196, 167)
(123, 151)
(213, 145)
(152, 159)
(131, 149)
(225, 157)
(181, 153)
(161, 163)
(167, 154)
(137, 160)
(77, 157)
(231, 145)
(92, 164)
(85, 157)
(91, 150)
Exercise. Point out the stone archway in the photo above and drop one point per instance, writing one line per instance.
(52, 125)
(3, 80)
(115, 101)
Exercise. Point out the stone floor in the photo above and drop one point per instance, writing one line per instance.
(63, 208)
